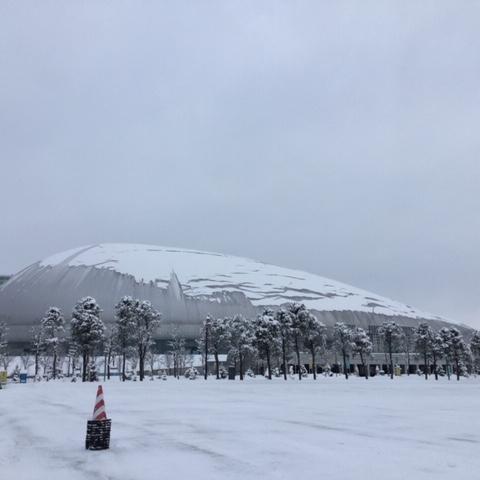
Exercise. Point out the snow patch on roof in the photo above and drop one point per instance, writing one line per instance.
(204, 273)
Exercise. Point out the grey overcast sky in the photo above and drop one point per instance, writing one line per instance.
(340, 138)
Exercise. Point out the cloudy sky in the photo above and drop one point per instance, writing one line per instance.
(340, 138)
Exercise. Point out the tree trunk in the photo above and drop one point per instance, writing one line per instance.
(345, 370)
(314, 364)
(447, 364)
(425, 364)
(105, 367)
(408, 362)
(391, 358)
(84, 367)
(36, 365)
(141, 363)
(124, 361)
(268, 364)
(109, 358)
(365, 369)
(206, 353)
(284, 354)
(297, 351)
(458, 369)
(217, 365)
(240, 359)
(54, 365)
(435, 365)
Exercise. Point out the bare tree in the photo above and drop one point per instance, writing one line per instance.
(177, 350)
(37, 346)
(4, 357)
(26, 359)
(204, 343)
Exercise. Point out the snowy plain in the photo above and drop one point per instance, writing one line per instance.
(407, 428)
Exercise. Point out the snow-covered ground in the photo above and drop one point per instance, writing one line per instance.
(377, 429)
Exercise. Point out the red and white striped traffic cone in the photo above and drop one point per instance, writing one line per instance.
(98, 429)
(99, 412)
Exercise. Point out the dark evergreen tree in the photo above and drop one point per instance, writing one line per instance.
(284, 321)
(445, 336)
(219, 340)
(87, 329)
(460, 351)
(299, 318)
(266, 334)
(53, 326)
(147, 321)
(314, 337)
(362, 346)
(241, 340)
(423, 344)
(125, 318)
(392, 336)
(475, 349)
(343, 342)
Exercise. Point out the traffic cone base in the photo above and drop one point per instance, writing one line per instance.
(98, 429)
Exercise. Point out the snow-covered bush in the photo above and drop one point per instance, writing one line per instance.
(191, 373)
(16, 375)
(223, 373)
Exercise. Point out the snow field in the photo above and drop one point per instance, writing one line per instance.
(407, 428)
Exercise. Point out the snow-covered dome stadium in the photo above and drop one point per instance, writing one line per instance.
(185, 286)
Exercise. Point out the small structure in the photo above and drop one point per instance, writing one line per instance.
(98, 429)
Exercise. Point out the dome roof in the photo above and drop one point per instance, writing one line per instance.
(184, 285)
(204, 273)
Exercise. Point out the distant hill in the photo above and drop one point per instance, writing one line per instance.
(4, 279)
